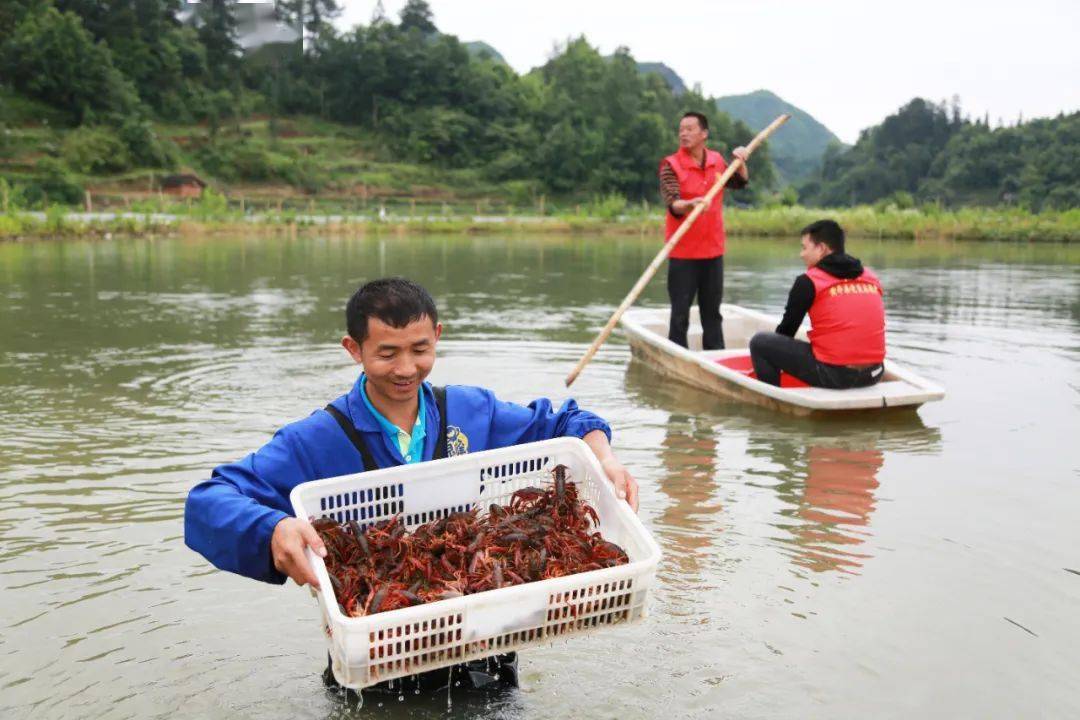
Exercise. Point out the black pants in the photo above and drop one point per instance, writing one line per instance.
(771, 352)
(705, 279)
(492, 673)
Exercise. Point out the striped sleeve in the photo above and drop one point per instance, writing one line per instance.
(669, 185)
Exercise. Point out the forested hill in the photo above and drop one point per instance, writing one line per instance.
(928, 153)
(798, 149)
(582, 124)
(93, 92)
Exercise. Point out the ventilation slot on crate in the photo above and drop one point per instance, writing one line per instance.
(510, 472)
(420, 518)
(364, 506)
(589, 607)
(401, 649)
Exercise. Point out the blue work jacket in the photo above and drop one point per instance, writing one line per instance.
(230, 518)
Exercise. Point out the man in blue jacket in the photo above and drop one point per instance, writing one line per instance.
(240, 519)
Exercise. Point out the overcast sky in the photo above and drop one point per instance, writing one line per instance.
(849, 63)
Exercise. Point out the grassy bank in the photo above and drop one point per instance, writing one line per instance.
(304, 173)
(214, 215)
(923, 223)
(58, 223)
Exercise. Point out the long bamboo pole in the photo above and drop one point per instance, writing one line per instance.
(668, 247)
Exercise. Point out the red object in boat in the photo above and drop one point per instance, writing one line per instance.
(742, 364)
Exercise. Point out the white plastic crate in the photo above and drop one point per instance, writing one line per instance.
(387, 645)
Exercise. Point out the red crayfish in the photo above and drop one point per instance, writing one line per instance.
(540, 534)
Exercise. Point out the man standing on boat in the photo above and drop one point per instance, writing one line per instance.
(696, 264)
(847, 315)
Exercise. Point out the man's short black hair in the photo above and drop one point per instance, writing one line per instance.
(828, 232)
(702, 120)
(394, 300)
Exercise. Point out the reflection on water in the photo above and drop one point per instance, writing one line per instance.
(803, 557)
(837, 501)
(824, 470)
(688, 476)
(829, 491)
(830, 483)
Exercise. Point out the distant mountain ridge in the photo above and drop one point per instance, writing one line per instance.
(479, 48)
(798, 147)
(670, 76)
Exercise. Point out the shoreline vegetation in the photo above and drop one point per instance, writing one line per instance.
(214, 215)
(163, 121)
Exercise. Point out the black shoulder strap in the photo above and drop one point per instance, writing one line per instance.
(357, 440)
(440, 402)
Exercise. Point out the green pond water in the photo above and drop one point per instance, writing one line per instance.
(915, 565)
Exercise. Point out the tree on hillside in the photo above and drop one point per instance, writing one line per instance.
(11, 14)
(1034, 164)
(218, 33)
(929, 152)
(163, 59)
(313, 16)
(51, 56)
(894, 156)
(378, 15)
(605, 126)
(417, 14)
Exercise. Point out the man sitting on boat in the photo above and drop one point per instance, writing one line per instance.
(847, 315)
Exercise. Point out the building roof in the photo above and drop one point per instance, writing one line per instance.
(256, 23)
(181, 179)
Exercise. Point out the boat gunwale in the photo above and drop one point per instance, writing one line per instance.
(922, 390)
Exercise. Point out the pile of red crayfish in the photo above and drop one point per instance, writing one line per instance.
(541, 534)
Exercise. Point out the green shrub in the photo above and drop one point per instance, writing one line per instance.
(302, 174)
(212, 204)
(95, 150)
(14, 224)
(56, 220)
(145, 147)
(608, 207)
(8, 198)
(521, 192)
(54, 184)
(507, 165)
(239, 160)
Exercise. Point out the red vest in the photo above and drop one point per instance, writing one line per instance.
(848, 319)
(705, 238)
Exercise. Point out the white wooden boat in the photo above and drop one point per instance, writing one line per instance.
(728, 372)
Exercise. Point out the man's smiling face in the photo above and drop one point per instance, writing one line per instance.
(397, 360)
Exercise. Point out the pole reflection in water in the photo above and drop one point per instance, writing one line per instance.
(688, 454)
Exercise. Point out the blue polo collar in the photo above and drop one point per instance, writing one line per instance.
(415, 453)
